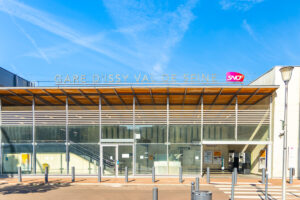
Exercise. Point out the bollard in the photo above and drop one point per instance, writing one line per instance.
(73, 174)
(263, 175)
(153, 175)
(232, 185)
(126, 174)
(235, 175)
(192, 190)
(291, 176)
(180, 175)
(266, 187)
(99, 174)
(197, 184)
(46, 174)
(208, 175)
(19, 174)
(155, 193)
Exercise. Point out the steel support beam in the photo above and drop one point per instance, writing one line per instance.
(20, 96)
(57, 99)
(214, 101)
(135, 97)
(153, 102)
(256, 91)
(119, 97)
(184, 96)
(87, 97)
(102, 97)
(40, 98)
(70, 97)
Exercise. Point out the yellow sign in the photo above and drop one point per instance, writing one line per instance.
(263, 153)
(25, 158)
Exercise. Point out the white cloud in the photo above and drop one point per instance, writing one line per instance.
(249, 29)
(239, 4)
(152, 29)
(45, 21)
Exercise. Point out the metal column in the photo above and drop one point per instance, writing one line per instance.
(100, 136)
(33, 137)
(168, 114)
(1, 153)
(134, 137)
(67, 135)
(236, 119)
(269, 155)
(201, 142)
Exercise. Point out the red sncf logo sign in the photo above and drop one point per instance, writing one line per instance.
(234, 77)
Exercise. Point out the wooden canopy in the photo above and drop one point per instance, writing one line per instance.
(145, 95)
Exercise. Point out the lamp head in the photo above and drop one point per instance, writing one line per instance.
(286, 73)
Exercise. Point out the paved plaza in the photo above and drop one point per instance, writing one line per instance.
(87, 188)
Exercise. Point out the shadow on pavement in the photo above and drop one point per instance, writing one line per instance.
(30, 188)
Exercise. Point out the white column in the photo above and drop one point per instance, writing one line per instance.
(168, 114)
(201, 142)
(270, 153)
(134, 138)
(1, 152)
(33, 137)
(100, 134)
(67, 135)
(236, 119)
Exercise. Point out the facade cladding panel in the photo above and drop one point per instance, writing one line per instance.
(167, 137)
(8, 79)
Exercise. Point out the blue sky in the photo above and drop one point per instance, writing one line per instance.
(40, 39)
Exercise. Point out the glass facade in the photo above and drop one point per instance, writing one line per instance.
(153, 139)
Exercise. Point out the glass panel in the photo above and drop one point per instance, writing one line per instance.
(50, 134)
(125, 159)
(185, 133)
(16, 134)
(187, 156)
(51, 155)
(84, 134)
(85, 158)
(117, 132)
(109, 161)
(151, 133)
(218, 132)
(15, 155)
(148, 155)
(253, 132)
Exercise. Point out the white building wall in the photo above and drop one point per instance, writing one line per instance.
(273, 77)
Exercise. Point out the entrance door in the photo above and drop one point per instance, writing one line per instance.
(115, 158)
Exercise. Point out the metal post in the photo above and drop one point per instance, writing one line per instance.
(235, 175)
(263, 175)
(100, 139)
(201, 140)
(155, 193)
(67, 135)
(168, 129)
(192, 190)
(33, 137)
(180, 174)
(285, 143)
(208, 175)
(46, 174)
(73, 174)
(266, 187)
(19, 174)
(153, 174)
(232, 186)
(197, 184)
(126, 174)
(134, 136)
(99, 174)
(236, 119)
(1, 158)
(291, 176)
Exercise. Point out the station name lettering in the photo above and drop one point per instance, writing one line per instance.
(136, 78)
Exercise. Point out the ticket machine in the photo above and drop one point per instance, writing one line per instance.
(241, 161)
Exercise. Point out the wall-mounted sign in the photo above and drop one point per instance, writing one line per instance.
(234, 77)
(106, 78)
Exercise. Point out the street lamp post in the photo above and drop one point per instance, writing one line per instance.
(286, 74)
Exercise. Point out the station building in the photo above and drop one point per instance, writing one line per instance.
(163, 126)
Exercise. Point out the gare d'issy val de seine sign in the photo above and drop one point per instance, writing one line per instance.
(104, 78)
